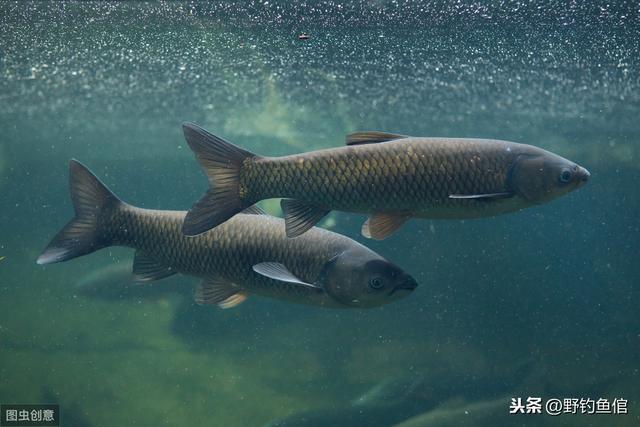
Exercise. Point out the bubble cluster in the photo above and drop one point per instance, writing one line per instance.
(434, 68)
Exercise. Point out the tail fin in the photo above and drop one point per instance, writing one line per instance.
(222, 162)
(83, 234)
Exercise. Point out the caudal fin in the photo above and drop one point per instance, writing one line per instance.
(222, 162)
(83, 234)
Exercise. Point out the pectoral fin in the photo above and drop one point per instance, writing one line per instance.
(490, 196)
(277, 271)
(371, 137)
(147, 269)
(300, 217)
(381, 225)
(219, 292)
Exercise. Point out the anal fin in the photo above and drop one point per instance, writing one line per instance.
(381, 225)
(253, 210)
(233, 301)
(220, 292)
(147, 269)
(300, 217)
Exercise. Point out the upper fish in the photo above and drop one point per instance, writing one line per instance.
(249, 254)
(391, 177)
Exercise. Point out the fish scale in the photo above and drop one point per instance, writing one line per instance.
(229, 251)
(411, 174)
(250, 254)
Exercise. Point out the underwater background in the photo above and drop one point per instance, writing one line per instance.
(543, 302)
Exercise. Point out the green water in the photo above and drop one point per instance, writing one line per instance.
(543, 302)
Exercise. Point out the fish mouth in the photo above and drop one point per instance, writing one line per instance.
(408, 285)
(583, 174)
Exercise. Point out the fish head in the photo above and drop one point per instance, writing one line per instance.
(361, 278)
(539, 176)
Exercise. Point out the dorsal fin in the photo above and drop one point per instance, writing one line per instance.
(371, 137)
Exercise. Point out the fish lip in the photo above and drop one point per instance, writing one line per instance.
(409, 285)
(584, 174)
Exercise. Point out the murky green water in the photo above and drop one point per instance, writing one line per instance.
(543, 302)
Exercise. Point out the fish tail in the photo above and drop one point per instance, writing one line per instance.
(85, 233)
(222, 162)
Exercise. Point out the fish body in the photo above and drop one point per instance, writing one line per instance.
(249, 254)
(391, 177)
(230, 252)
(410, 175)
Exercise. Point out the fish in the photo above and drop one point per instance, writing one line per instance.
(480, 413)
(249, 254)
(115, 282)
(401, 397)
(111, 276)
(391, 177)
(387, 403)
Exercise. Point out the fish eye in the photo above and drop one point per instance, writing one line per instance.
(375, 283)
(565, 176)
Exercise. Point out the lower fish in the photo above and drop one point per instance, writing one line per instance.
(249, 254)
